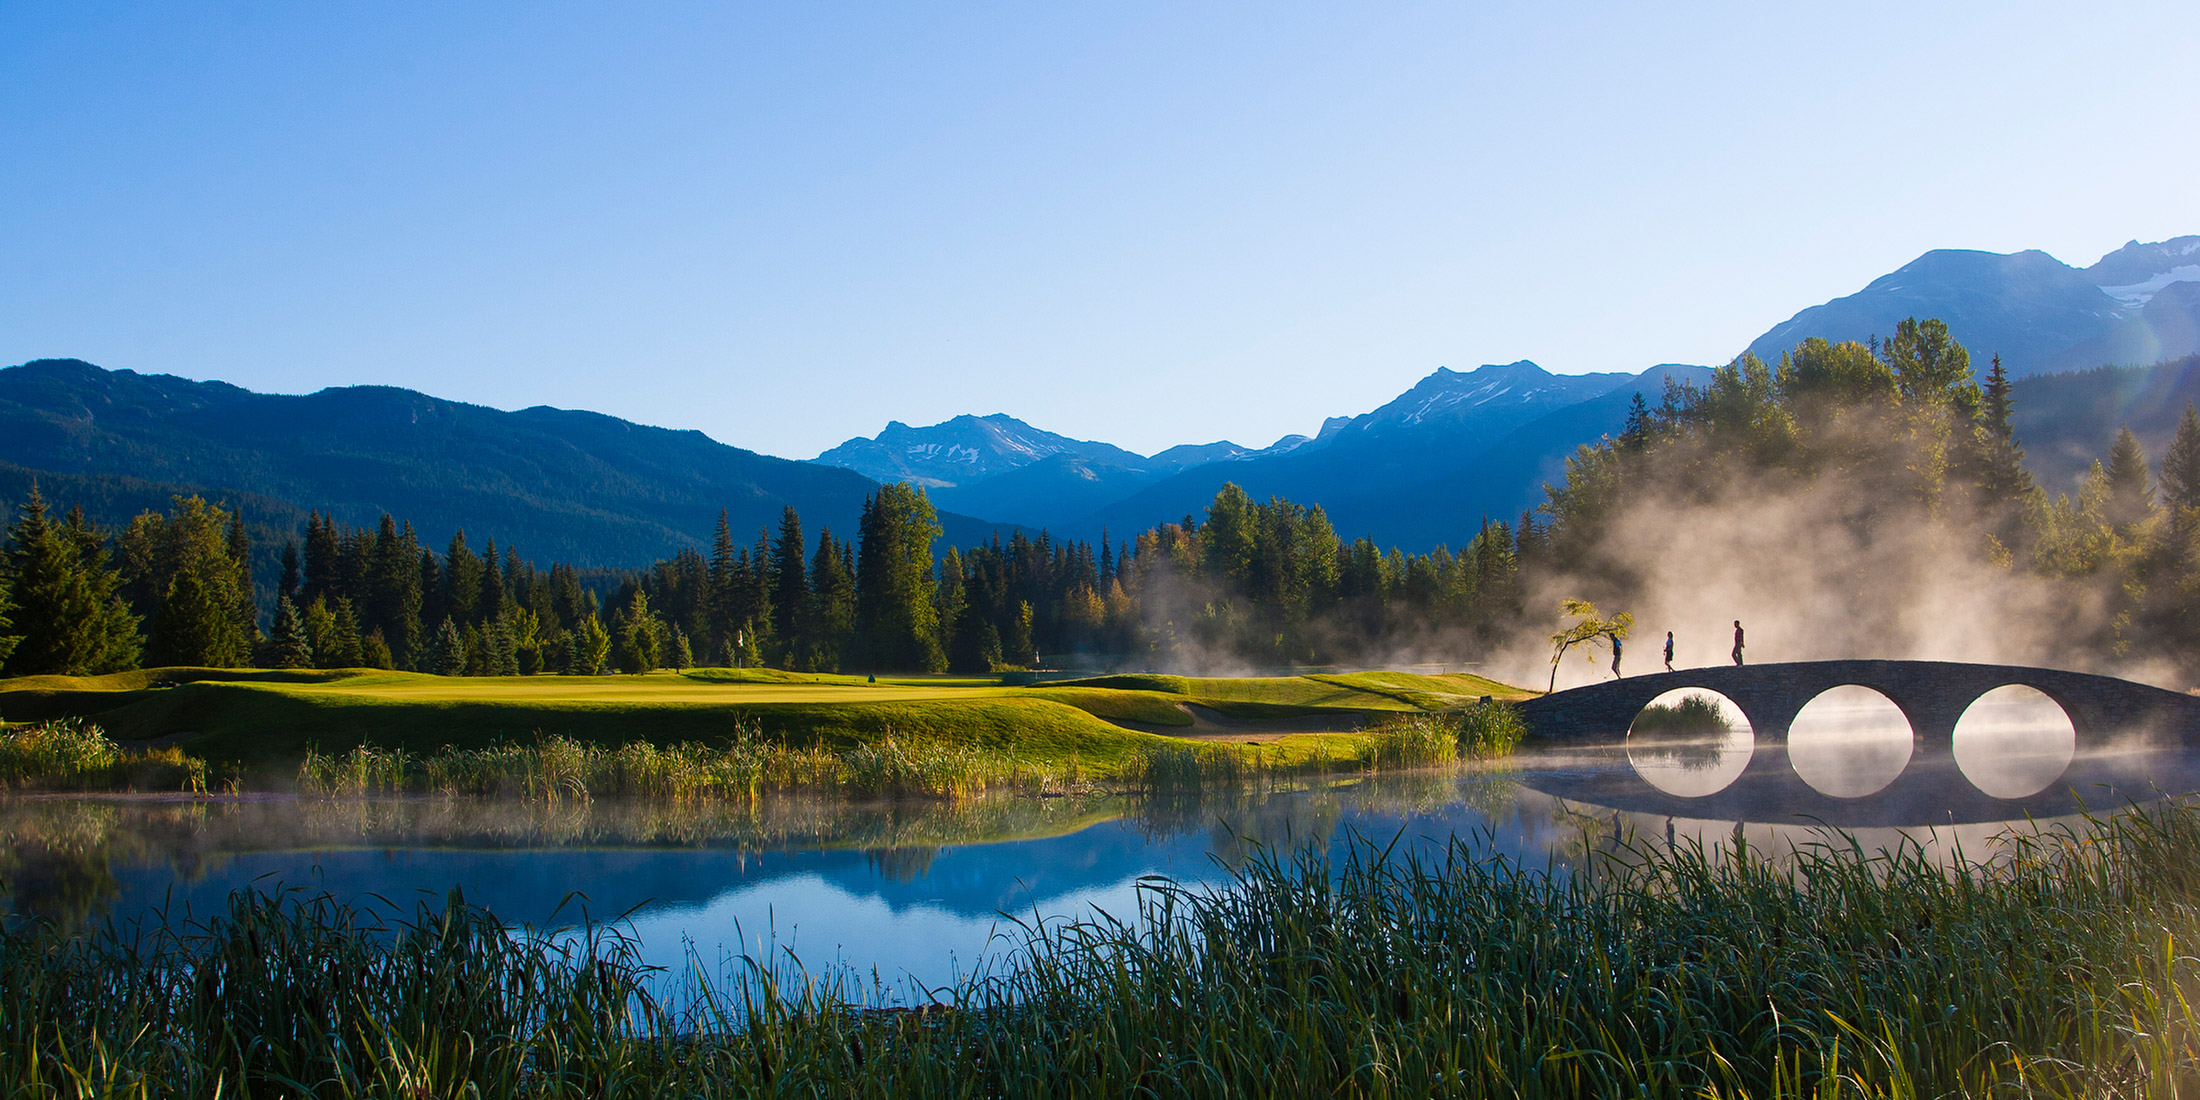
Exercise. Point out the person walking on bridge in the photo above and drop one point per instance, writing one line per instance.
(1737, 641)
(1615, 654)
(1668, 651)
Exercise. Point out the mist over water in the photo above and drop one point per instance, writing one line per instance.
(1693, 763)
(1849, 742)
(2014, 741)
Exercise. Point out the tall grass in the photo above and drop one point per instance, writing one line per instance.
(2056, 969)
(1482, 731)
(744, 769)
(1693, 714)
(72, 754)
(1414, 741)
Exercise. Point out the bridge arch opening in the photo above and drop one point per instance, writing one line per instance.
(1690, 742)
(2013, 741)
(1850, 741)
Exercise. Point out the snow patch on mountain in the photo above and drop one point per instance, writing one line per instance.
(2139, 293)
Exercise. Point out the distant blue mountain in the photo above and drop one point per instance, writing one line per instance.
(1354, 469)
(2139, 305)
(562, 485)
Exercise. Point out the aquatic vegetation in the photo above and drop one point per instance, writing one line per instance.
(1415, 741)
(73, 754)
(1691, 714)
(2051, 969)
(742, 770)
(1479, 732)
(1190, 768)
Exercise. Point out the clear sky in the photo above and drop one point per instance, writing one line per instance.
(1148, 223)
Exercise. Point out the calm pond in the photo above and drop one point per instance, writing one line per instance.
(927, 892)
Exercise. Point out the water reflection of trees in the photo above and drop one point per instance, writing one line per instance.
(59, 858)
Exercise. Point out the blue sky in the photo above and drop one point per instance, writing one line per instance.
(785, 224)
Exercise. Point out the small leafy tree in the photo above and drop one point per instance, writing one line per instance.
(1588, 630)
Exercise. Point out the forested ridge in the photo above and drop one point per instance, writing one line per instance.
(1894, 436)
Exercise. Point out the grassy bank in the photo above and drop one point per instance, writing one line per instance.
(70, 754)
(2055, 971)
(263, 723)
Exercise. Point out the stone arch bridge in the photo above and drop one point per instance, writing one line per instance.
(2108, 715)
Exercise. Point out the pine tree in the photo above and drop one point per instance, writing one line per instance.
(293, 648)
(683, 655)
(829, 618)
(59, 605)
(197, 625)
(1994, 412)
(448, 657)
(591, 648)
(183, 574)
(461, 587)
(392, 595)
(790, 585)
(245, 604)
(1636, 434)
(492, 602)
(638, 635)
(2181, 464)
(8, 641)
(288, 585)
(2130, 485)
(947, 600)
(346, 649)
(374, 651)
(1021, 647)
(722, 611)
(323, 554)
(894, 613)
(500, 646)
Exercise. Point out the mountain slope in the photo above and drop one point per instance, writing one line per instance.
(1052, 493)
(1445, 421)
(2136, 305)
(563, 485)
(2066, 421)
(963, 451)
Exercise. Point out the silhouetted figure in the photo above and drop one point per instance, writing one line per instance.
(1668, 651)
(1737, 641)
(1615, 655)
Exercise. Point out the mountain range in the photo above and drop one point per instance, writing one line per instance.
(1483, 442)
(563, 485)
(1422, 469)
(2140, 304)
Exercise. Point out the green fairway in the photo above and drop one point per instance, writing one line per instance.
(272, 717)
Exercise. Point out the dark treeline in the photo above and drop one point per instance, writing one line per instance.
(1903, 429)
(1251, 582)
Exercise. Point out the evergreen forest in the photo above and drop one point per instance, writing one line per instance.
(1900, 434)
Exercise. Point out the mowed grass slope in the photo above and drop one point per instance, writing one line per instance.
(1292, 696)
(274, 716)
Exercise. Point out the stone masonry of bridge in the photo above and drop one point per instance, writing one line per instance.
(1931, 694)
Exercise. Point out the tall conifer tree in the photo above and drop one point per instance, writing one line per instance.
(65, 610)
(2181, 464)
(790, 586)
(895, 619)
